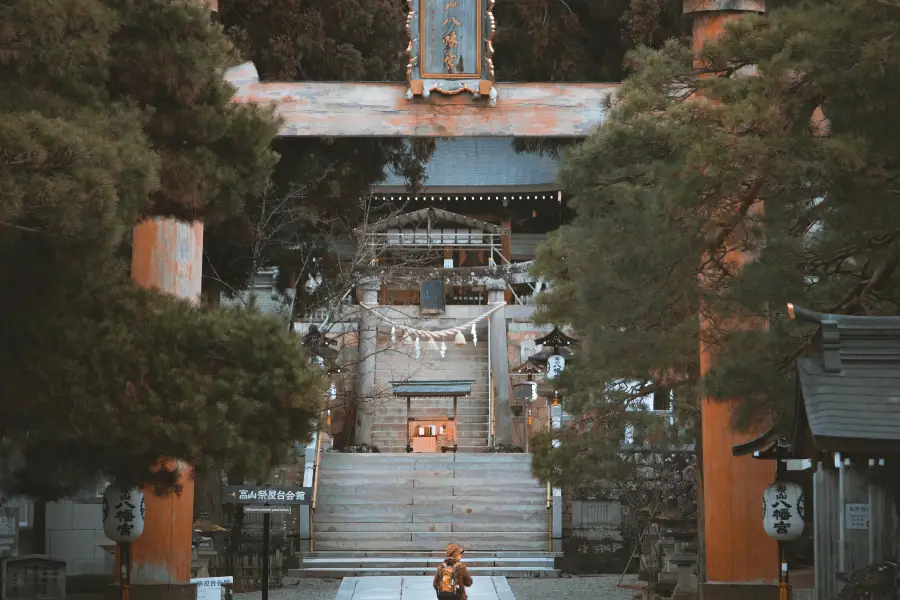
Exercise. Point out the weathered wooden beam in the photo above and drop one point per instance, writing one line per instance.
(355, 109)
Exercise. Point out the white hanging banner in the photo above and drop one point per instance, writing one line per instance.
(783, 511)
(123, 514)
(555, 366)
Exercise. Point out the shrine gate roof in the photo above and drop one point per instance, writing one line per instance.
(481, 163)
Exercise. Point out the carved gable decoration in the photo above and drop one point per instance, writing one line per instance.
(450, 48)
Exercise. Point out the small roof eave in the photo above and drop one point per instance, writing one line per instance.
(418, 389)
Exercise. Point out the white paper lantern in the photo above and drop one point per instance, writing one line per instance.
(555, 366)
(784, 508)
(123, 514)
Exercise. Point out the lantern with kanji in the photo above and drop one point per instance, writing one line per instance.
(784, 507)
(123, 514)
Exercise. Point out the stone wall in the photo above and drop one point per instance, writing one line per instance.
(74, 533)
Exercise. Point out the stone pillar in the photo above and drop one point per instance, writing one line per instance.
(740, 560)
(500, 366)
(365, 365)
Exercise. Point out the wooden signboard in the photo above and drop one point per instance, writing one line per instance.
(433, 301)
(450, 48)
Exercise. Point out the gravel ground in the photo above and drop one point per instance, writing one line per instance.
(601, 587)
(299, 589)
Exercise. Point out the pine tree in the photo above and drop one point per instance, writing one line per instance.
(675, 183)
(112, 111)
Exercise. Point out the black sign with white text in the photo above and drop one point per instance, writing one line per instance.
(259, 495)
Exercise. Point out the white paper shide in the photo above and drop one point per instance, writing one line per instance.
(123, 514)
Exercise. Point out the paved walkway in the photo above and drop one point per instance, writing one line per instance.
(417, 588)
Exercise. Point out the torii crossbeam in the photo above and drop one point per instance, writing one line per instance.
(345, 109)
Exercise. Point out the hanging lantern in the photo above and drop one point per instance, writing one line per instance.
(460, 339)
(328, 416)
(555, 366)
(784, 507)
(123, 514)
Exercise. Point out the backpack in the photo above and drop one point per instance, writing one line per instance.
(448, 584)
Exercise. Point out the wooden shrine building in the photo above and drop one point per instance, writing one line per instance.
(846, 432)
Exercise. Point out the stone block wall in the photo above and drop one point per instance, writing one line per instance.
(73, 532)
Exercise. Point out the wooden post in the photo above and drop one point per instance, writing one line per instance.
(737, 548)
(506, 249)
(167, 255)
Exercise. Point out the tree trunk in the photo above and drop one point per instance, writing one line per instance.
(701, 520)
(211, 293)
(208, 495)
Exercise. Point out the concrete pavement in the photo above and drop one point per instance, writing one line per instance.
(417, 588)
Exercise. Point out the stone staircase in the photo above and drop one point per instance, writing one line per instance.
(398, 363)
(394, 514)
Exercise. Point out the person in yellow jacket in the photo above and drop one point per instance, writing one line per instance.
(452, 577)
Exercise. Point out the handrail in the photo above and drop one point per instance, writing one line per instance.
(490, 388)
(312, 505)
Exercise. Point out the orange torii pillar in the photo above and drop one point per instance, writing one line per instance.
(741, 560)
(167, 255)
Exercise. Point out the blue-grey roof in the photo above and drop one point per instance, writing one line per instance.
(483, 163)
(432, 388)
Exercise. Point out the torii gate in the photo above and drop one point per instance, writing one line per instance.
(450, 92)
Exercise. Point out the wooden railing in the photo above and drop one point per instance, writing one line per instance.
(312, 506)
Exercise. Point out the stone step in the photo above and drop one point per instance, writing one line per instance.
(437, 545)
(435, 557)
(353, 515)
(499, 571)
(378, 461)
(361, 497)
(440, 538)
(363, 482)
(518, 471)
(534, 526)
(502, 484)
(424, 461)
(371, 484)
(437, 507)
(427, 536)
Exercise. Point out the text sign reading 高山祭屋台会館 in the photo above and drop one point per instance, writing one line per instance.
(235, 494)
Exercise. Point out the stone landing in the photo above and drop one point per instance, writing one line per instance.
(417, 588)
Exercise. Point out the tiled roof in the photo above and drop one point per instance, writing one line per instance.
(853, 404)
(850, 392)
(483, 163)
